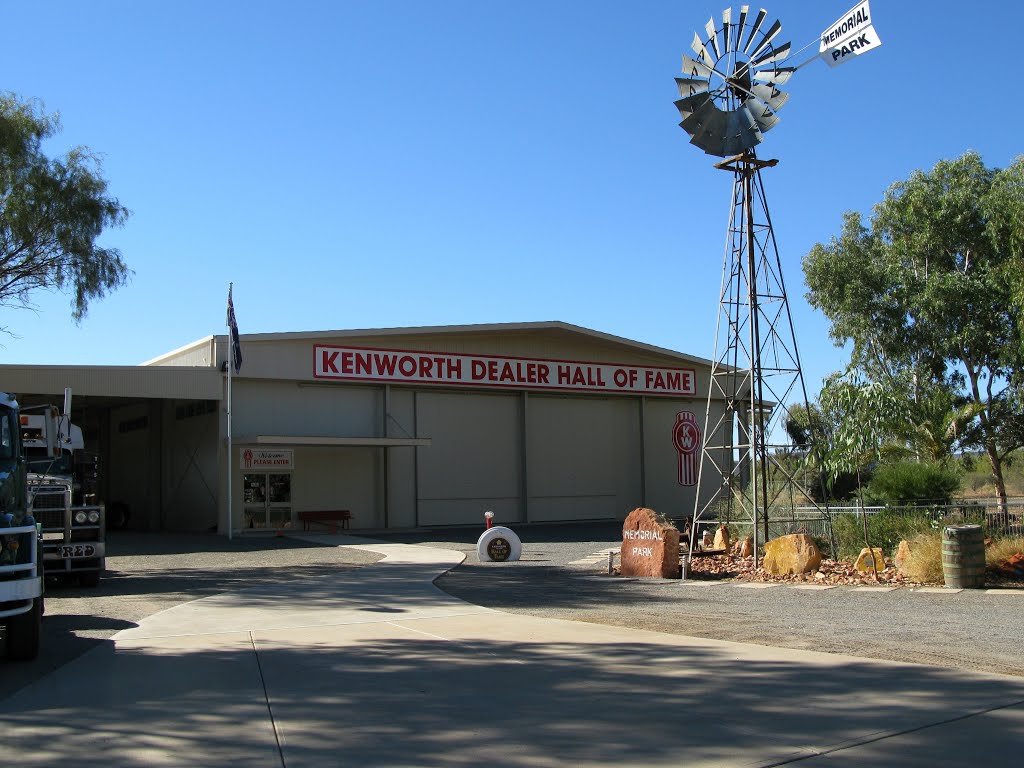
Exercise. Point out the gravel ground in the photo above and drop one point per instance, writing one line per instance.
(150, 572)
(971, 629)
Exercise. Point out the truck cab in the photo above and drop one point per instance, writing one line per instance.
(21, 573)
(62, 495)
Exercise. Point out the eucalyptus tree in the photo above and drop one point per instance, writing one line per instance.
(923, 291)
(52, 212)
(1004, 207)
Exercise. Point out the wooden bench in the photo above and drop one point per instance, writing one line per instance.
(329, 517)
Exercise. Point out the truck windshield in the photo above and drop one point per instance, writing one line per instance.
(37, 461)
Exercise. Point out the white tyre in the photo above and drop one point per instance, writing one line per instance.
(498, 544)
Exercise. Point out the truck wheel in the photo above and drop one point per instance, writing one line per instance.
(118, 514)
(23, 633)
(89, 579)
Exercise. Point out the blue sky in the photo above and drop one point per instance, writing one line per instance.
(377, 164)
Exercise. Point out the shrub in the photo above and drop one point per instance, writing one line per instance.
(924, 563)
(885, 529)
(913, 482)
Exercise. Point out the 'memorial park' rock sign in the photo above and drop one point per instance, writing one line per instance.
(650, 545)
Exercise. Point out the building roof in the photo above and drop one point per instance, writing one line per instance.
(550, 328)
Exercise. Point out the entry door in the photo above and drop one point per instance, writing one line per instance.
(267, 499)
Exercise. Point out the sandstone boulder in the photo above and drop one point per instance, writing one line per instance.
(1013, 568)
(650, 545)
(870, 560)
(721, 538)
(902, 553)
(746, 547)
(796, 553)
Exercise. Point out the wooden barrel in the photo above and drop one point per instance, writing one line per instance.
(963, 556)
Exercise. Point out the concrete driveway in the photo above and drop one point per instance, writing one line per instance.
(377, 667)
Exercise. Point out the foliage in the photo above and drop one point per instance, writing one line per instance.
(923, 292)
(977, 480)
(924, 563)
(937, 421)
(52, 211)
(810, 432)
(885, 529)
(911, 481)
(861, 417)
(1004, 208)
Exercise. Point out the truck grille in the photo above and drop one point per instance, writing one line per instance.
(48, 501)
(50, 518)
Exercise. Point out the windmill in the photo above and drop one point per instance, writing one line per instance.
(729, 97)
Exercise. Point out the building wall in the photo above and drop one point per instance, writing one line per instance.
(134, 463)
(585, 458)
(400, 422)
(264, 407)
(190, 471)
(526, 455)
(340, 478)
(474, 463)
(664, 492)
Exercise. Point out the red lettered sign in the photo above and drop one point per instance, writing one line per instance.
(418, 367)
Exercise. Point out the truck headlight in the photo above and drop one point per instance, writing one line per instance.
(94, 516)
(81, 517)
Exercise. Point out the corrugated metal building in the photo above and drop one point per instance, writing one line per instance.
(413, 427)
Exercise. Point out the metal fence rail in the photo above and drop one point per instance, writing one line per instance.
(1000, 521)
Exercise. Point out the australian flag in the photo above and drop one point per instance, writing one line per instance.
(236, 347)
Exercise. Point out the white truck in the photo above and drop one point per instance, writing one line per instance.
(21, 572)
(61, 484)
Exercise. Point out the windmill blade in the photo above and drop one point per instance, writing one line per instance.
(709, 136)
(741, 132)
(713, 36)
(739, 27)
(691, 104)
(764, 117)
(691, 85)
(776, 76)
(771, 55)
(734, 145)
(754, 29)
(695, 68)
(694, 121)
(708, 110)
(773, 30)
(742, 121)
(700, 50)
(770, 95)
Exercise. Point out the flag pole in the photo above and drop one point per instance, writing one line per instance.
(231, 364)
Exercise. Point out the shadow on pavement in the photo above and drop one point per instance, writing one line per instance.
(385, 701)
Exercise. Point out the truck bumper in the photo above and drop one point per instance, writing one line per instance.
(59, 557)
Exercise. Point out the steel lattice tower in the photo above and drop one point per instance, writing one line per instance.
(755, 372)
